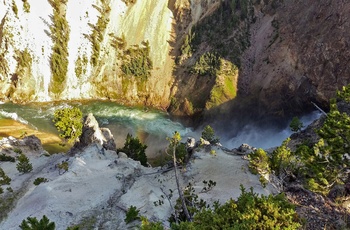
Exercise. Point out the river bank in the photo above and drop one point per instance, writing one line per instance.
(50, 141)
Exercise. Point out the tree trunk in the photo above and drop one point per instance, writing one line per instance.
(179, 189)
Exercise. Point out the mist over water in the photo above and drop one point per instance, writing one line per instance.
(150, 126)
(265, 137)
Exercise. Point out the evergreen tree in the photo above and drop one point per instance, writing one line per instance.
(295, 124)
(68, 122)
(4, 180)
(208, 134)
(135, 149)
(32, 223)
(328, 162)
(23, 165)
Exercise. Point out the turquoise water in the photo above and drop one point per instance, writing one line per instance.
(151, 126)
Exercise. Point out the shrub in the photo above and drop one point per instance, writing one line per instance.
(208, 134)
(295, 124)
(14, 8)
(59, 32)
(68, 122)
(62, 166)
(136, 61)
(4, 157)
(135, 149)
(4, 179)
(180, 152)
(23, 165)
(259, 162)
(250, 211)
(32, 223)
(26, 6)
(132, 214)
(207, 64)
(40, 180)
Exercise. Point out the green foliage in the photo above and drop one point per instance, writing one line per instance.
(213, 32)
(17, 150)
(59, 32)
(194, 205)
(207, 64)
(4, 179)
(73, 228)
(4, 157)
(68, 122)
(98, 30)
(23, 165)
(295, 124)
(146, 225)
(80, 66)
(32, 223)
(127, 2)
(24, 62)
(40, 180)
(62, 166)
(180, 152)
(259, 162)
(250, 211)
(208, 134)
(283, 161)
(26, 6)
(135, 149)
(187, 48)
(326, 163)
(132, 214)
(14, 8)
(136, 61)
(344, 94)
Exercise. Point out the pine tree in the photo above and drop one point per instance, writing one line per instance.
(135, 149)
(68, 122)
(23, 165)
(32, 223)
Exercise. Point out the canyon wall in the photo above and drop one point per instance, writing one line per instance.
(188, 56)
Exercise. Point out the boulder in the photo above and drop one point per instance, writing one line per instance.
(33, 143)
(92, 133)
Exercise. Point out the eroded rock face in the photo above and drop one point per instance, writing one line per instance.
(92, 133)
(299, 53)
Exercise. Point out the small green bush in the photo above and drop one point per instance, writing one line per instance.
(4, 179)
(59, 32)
(23, 165)
(208, 64)
(4, 157)
(250, 211)
(63, 166)
(40, 180)
(295, 124)
(14, 8)
(69, 122)
(135, 149)
(32, 223)
(136, 61)
(259, 162)
(26, 6)
(208, 134)
(132, 214)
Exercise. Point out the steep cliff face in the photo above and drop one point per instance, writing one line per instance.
(299, 54)
(53, 50)
(189, 56)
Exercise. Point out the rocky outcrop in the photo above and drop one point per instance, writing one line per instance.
(299, 54)
(92, 133)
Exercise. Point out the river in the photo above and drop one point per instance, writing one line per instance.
(150, 126)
